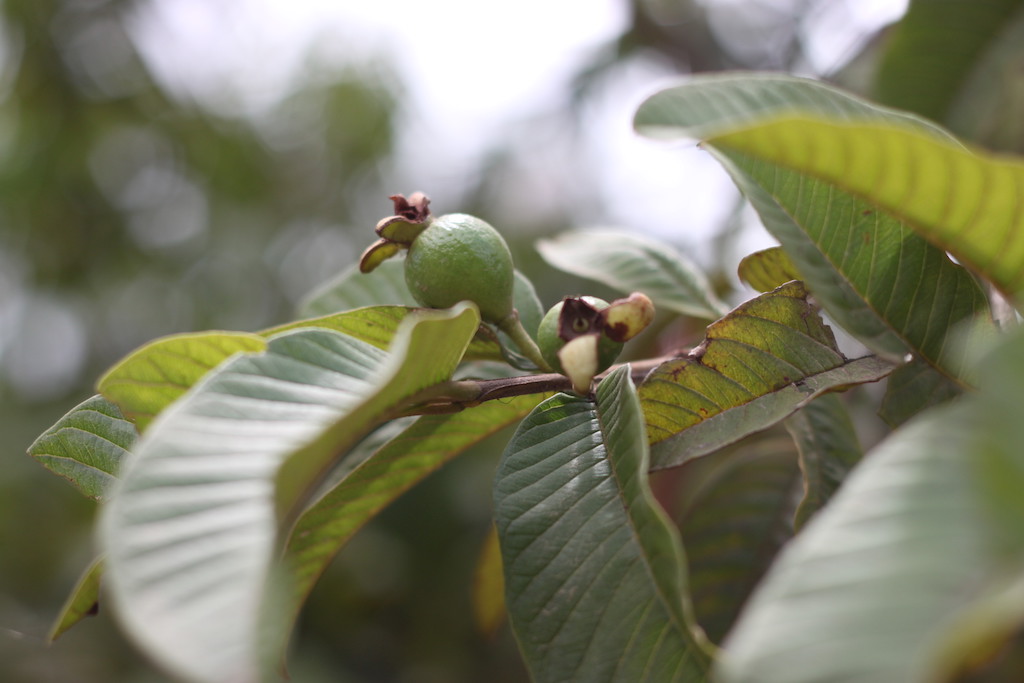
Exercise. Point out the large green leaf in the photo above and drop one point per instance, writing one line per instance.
(899, 577)
(527, 303)
(190, 535)
(734, 523)
(933, 52)
(595, 574)
(156, 374)
(86, 446)
(377, 325)
(631, 263)
(901, 170)
(757, 365)
(877, 572)
(707, 105)
(843, 185)
(405, 460)
(828, 447)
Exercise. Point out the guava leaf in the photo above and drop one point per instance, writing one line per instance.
(426, 352)
(912, 388)
(877, 571)
(384, 286)
(741, 420)
(83, 601)
(159, 372)
(757, 365)
(527, 303)
(330, 522)
(922, 538)
(153, 376)
(595, 574)
(86, 446)
(377, 325)
(934, 53)
(828, 447)
(849, 189)
(767, 269)
(630, 263)
(191, 534)
(705, 105)
(733, 525)
(901, 170)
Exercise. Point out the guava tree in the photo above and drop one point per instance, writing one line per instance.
(232, 466)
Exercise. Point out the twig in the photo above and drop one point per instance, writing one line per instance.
(456, 395)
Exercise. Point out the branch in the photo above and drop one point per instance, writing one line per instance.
(456, 395)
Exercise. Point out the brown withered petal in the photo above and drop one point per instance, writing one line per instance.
(577, 319)
(415, 209)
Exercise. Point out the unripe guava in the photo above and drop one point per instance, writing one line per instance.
(551, 343)
(459, 257)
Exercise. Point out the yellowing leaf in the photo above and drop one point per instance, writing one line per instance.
(154, 375)
(767, 269)
(757, 366)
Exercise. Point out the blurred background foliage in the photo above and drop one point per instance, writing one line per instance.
(130, 210)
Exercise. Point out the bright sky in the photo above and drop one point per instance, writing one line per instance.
(472, 68)
(468, 64)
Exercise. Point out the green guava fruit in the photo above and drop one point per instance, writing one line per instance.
(459, 257)
(550, 341)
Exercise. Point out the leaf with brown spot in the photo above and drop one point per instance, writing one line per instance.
(757, 365)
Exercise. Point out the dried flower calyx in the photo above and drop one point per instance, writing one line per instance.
(398, 231)
(620, 321)
(582, 336)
